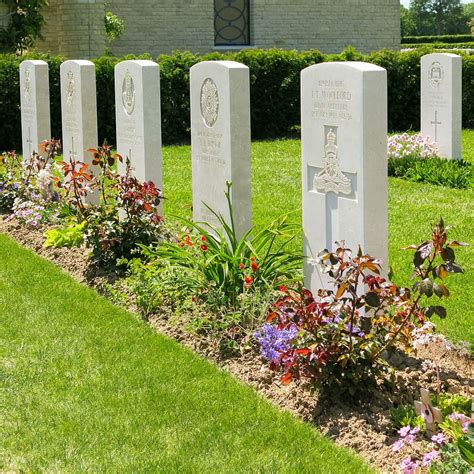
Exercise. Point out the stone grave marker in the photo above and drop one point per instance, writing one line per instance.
(344, 157)
(220, 139)
(35, 108)
(79, 112)
(138, 117)
(441, 102)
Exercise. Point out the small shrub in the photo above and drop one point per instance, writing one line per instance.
(215, 258)
(450, 173)
(115, 230)
(341, 335)
(406, 416)
(450, 403)
(411, 146)
(68, 236)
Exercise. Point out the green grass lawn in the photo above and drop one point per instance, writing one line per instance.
(86, 387)
(413, 207)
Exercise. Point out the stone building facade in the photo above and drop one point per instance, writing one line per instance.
(75, 28)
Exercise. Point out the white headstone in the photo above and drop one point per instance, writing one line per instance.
(441, 102)
(35, 108)
(344, 154)
(138, 116)
(79, 111)
(220, 138)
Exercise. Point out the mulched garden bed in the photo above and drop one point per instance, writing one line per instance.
(362, 424)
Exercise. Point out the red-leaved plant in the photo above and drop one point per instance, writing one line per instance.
(340, 336)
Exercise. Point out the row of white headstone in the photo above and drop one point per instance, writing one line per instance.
(343, 135)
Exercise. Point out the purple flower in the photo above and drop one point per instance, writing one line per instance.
(354, 330)
(459, 417)
(398, 445)
(408, 466)
(439, 438)
(428, 458)
(404, 431)
(274, 341)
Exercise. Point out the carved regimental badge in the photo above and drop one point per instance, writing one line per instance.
(27, 86)
(128, 94)
(209, 102)
(331, 178)
(70, 88)
(436, 74)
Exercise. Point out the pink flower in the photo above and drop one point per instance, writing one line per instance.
(408, 466)
(439, 438)
(404, 431)
(428, 458)
(398, 445)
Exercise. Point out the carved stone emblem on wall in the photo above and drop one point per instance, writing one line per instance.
(436, 74)
(209, 102)
(331, 178)
(27, 86)
(70, 88)
(128, 94)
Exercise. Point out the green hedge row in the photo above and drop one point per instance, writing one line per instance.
(275, 91)
(450, 46)
(438, 39)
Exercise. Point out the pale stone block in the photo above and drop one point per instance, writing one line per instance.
(220, 138)
(138, 117)
(35, 105)
(344, 156)
(441, 102)
(79, 113)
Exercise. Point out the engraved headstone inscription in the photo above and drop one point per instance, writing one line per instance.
(35, 106)
(441, 102)
(220, 140)
(79, 112)
(138, 118)
(344, 158)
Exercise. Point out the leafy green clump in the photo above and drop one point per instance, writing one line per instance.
(68, 236)
(405, 415)
(450, 173)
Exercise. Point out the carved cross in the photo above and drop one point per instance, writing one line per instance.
(436, 123)
(30, 143)
(428, 412)
(72, 153)
(332, 182)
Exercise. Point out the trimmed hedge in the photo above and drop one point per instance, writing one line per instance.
(275, 91)
(438, 39)
(450, 46)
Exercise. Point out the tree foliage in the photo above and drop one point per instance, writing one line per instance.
(24, 25)
(435, 17)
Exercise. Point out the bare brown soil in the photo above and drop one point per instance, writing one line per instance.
(359, 423)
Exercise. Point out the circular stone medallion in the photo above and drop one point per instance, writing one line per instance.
(209, 102)
(128, 94)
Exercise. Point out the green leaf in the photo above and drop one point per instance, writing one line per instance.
(426, 287)
(439, 310)
(452, 267)
(372, 299)
(447, 254)
(467, 450)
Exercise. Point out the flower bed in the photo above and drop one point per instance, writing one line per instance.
(352, 360)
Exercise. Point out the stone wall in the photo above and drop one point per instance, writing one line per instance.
(75, 27)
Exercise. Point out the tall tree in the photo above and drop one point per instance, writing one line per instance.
(24, 26)
(407, 22)
(438, 17)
